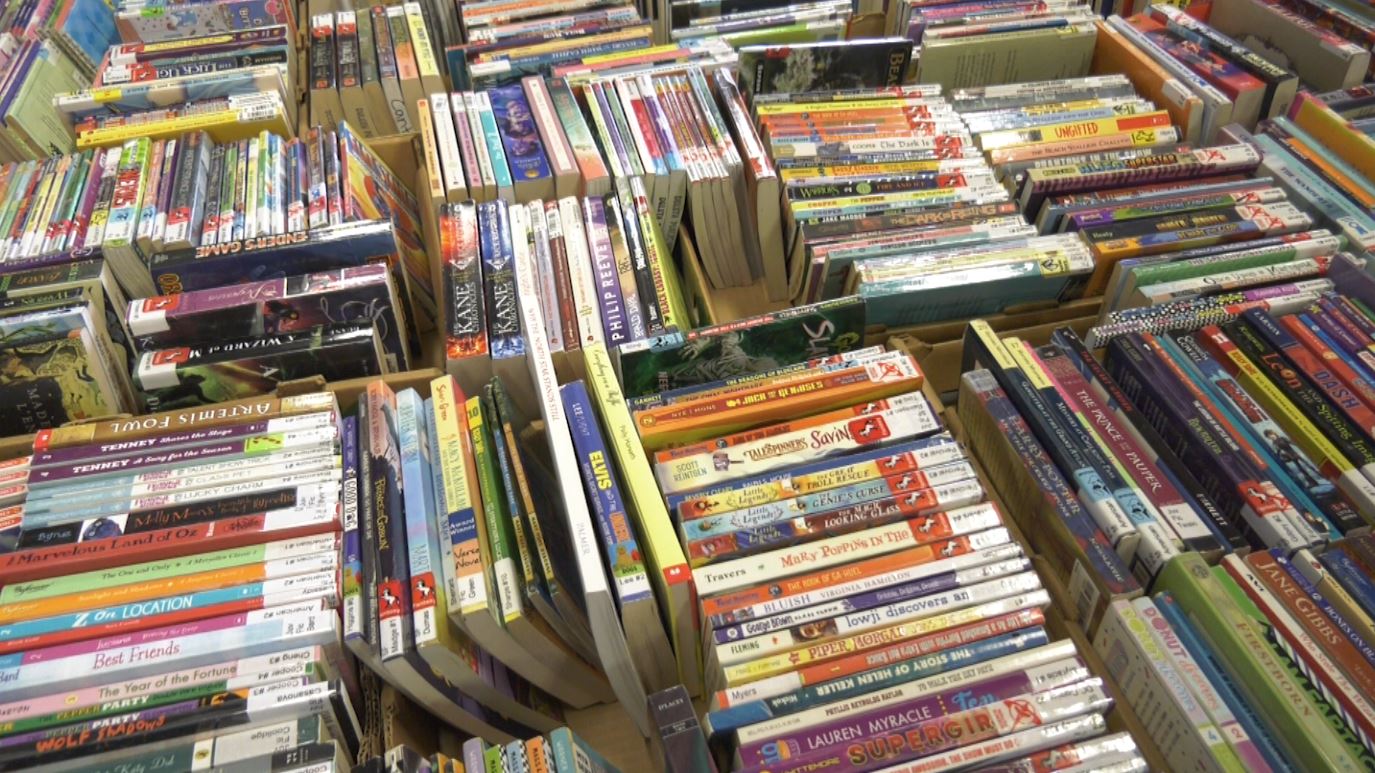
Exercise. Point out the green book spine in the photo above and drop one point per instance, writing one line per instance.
(1265, 680)
(503, 566)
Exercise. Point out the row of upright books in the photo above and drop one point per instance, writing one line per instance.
(161, 273)
(853, 578)
(562, 751)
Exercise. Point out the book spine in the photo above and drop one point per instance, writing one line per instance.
(929, 503)
(1330, 420)
(387, 512)
(542, 259)
(618, 539)
(907, 565)
(904, 417)
(1290, 713)
(1058, 440)
(1320, 674)
(833, 710)
(1231, 481)
(461, 498)
(499, 280)
(831, 499)
(1169, 503)
(562, 278)
(624, 267)
(463, 263)
(948, 728)
(351, 563)
(1270, 436)
(179, 645)
(498, 531)
(610, 301)
(901, 589)
(1210, 701)
(912, 661)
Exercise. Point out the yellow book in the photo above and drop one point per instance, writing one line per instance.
(468, 588)
(904, 197)
(872, 170)
(662, 267)
(433, 177)
(793, 108)
(1334, 465)
(1335, 133)
(223, 126)
(1073, 130)
(667, 563)
(636, 53)
(423, 48)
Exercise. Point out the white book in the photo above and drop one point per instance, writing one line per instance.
(446, 137)
(1186, 735)
(601, 606)
(580, 277)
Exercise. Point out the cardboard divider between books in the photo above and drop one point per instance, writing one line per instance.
(939, 346)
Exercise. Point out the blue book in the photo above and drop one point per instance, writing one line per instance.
(604, 493)
(1350, 576)
(499, 281)
(525, 154)
(1222, 684)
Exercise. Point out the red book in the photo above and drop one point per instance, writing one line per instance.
(1246, 91)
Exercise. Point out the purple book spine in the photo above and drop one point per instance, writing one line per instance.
(127, 447)
(923, 587)
(91, 646)
(825, 737)
(1353, 314)
(604, 266)
(1334, 308)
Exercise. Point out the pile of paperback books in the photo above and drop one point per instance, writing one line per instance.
(1237, 430)
(170, 592)
(855, 586)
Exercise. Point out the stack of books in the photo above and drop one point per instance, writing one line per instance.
(961, 44)
(66, 350)
(245, 228)
(1249, 429)
(1249, 664)
(1324, 161)
(562, 751)
(46, 49)
(507, 40)
(187, 81)
(771, 22)
(853, 580)
(171, 592)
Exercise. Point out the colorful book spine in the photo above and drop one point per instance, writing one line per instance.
(618, 537)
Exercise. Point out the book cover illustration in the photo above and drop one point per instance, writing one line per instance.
(187, 377)
(519, 134)
(47, 383)
(362, 296)
(824, 66)
(744, 348)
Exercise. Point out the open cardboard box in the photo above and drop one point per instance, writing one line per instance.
(398, 152)
(711, 306)
(938, 347)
